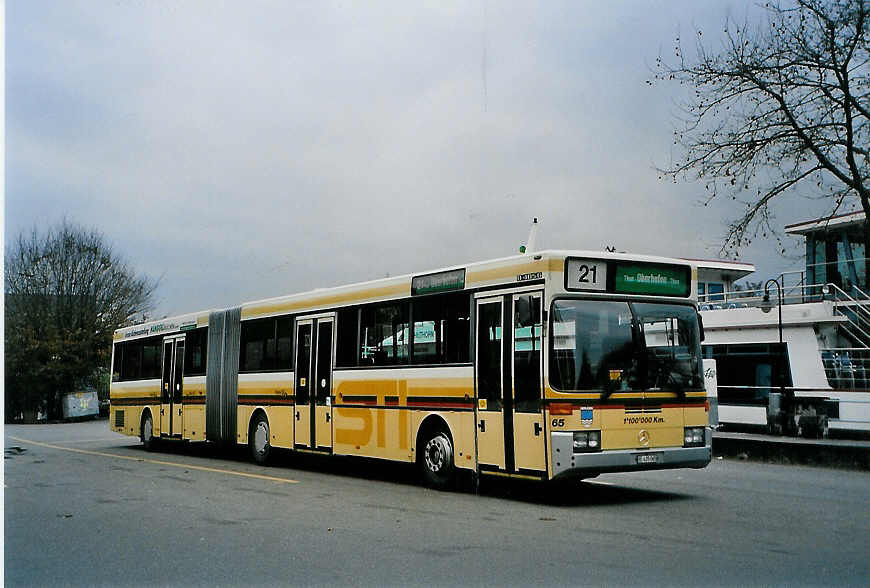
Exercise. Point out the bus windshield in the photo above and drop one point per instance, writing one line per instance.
(611, 346)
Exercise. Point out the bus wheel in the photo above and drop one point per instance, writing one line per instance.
(147, 433)
(258, 439)
(436, 461)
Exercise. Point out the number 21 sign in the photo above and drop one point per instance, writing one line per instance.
(585, 274)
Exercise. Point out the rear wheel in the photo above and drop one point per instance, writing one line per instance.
(436, 460)
(147, 432)
(258, 439)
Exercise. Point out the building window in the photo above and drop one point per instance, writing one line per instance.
(711, 291)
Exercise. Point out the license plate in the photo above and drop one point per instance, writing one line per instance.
(644, 458)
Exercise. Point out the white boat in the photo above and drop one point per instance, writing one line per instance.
(794, 357)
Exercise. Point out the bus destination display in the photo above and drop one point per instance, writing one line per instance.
(440, 282)
(655, 279)
(619, 277)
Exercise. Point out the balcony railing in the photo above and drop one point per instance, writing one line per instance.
(847, 368)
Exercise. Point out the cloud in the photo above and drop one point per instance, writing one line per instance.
(246, 150)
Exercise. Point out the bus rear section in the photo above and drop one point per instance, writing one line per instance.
(625, 387)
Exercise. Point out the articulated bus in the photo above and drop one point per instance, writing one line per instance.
(542, 366)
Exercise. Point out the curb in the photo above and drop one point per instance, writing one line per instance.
(793, 451)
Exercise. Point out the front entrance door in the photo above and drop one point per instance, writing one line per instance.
(510, 419)
(314, 353)
(172, 387)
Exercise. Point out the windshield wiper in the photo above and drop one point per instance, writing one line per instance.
(664, 370)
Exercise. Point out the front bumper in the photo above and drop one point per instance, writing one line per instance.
(567, 463)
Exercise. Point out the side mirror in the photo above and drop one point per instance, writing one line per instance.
(701, 327)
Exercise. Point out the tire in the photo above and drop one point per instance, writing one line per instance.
(149, 442)
(436, 459)
(258, 439)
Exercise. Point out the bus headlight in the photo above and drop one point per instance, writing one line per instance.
(693, 437)
(585, 441)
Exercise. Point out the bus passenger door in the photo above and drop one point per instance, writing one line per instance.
(322, 397)
(302, 387)
(314, 351)
(527, 376)
(510, 419)
(171, 387)
(178, 390)
(490, 406)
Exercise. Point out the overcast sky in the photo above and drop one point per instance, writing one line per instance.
(242, 150)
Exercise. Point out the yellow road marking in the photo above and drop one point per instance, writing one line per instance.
(95, 440)
(159, 462)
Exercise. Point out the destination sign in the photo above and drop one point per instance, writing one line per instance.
(655, 279)
(440, 282)
(163, 327)
(627, 277)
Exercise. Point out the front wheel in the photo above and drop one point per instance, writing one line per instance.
(436, 461)
(258, 439)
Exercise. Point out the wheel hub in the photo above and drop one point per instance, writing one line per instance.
(434, 455)
(261, 436)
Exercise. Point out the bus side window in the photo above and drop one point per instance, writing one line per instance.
(195, 352)
(384, 334)
(347, 334)
(117, 362)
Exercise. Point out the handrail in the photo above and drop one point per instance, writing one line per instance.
(858, 305)
(856, 337)
(857, 309)
(844, 349)
(862, 292)
(860, 320)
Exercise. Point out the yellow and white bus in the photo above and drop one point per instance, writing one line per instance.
(540, 366)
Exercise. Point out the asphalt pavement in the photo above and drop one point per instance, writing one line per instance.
(86, 507)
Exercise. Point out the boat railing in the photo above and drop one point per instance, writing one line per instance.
(847, 280)
(854, 311)
(755, 298)
(796, 284)
(847, 367)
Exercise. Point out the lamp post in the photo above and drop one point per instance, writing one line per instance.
(765, 307)
(765, 302)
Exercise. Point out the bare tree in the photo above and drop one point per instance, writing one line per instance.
(748, 289)
(782, 105)
(66, 293)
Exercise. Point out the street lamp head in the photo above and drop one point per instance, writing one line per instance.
(766, 306)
